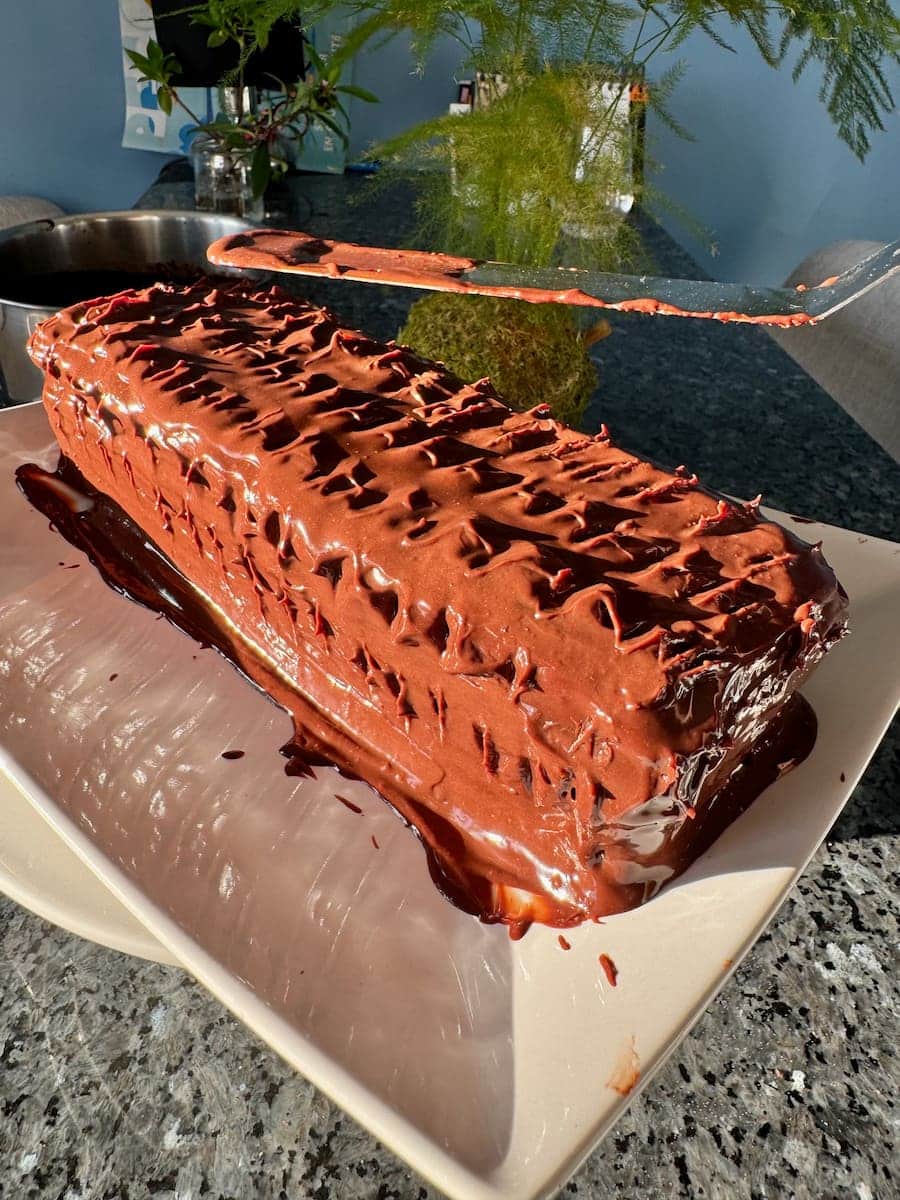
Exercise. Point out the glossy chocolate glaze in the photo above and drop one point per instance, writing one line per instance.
(568, 669)
(303, 254)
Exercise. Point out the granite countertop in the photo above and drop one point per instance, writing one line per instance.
(122, 1080)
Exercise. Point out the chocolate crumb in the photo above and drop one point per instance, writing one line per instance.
(610, 970)
(627, 1070)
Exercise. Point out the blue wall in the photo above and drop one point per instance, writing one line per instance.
(62, 106)
(406, 95)
(767, 175)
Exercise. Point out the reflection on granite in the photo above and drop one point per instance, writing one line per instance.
(122, 1078)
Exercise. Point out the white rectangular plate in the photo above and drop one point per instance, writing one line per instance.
(492, 1067)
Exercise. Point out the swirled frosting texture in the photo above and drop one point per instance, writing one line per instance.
(549, 655)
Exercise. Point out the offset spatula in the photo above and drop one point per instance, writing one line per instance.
(302, 254)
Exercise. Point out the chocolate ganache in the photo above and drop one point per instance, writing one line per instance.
(304, 254)
(566, 668)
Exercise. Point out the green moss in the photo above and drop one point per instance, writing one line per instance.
(533, 353)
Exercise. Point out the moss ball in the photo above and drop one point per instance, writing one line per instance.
(533, 353)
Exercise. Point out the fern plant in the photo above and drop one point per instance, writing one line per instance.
(512, 180)
(552, 54)
(852, 40)
(506, 182)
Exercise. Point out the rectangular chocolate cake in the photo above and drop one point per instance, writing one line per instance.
(566, 668)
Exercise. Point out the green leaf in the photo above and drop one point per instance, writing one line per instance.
(139, 60)
(260, 169)
(164, 99)
(359, 92)
(333, 126)
(315, 58)
(217, 38)
(155, 66)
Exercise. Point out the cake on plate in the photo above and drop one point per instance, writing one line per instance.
(567, 668)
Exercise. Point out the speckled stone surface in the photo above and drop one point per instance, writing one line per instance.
(123, 1080)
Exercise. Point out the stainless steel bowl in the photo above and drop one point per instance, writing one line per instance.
(149, 243)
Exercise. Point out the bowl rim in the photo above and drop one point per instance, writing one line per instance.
(128, 215)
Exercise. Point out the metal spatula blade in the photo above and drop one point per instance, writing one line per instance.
(298, 253)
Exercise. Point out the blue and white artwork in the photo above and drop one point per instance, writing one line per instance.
(146, 126)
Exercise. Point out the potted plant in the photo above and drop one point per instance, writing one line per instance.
(238, 153)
